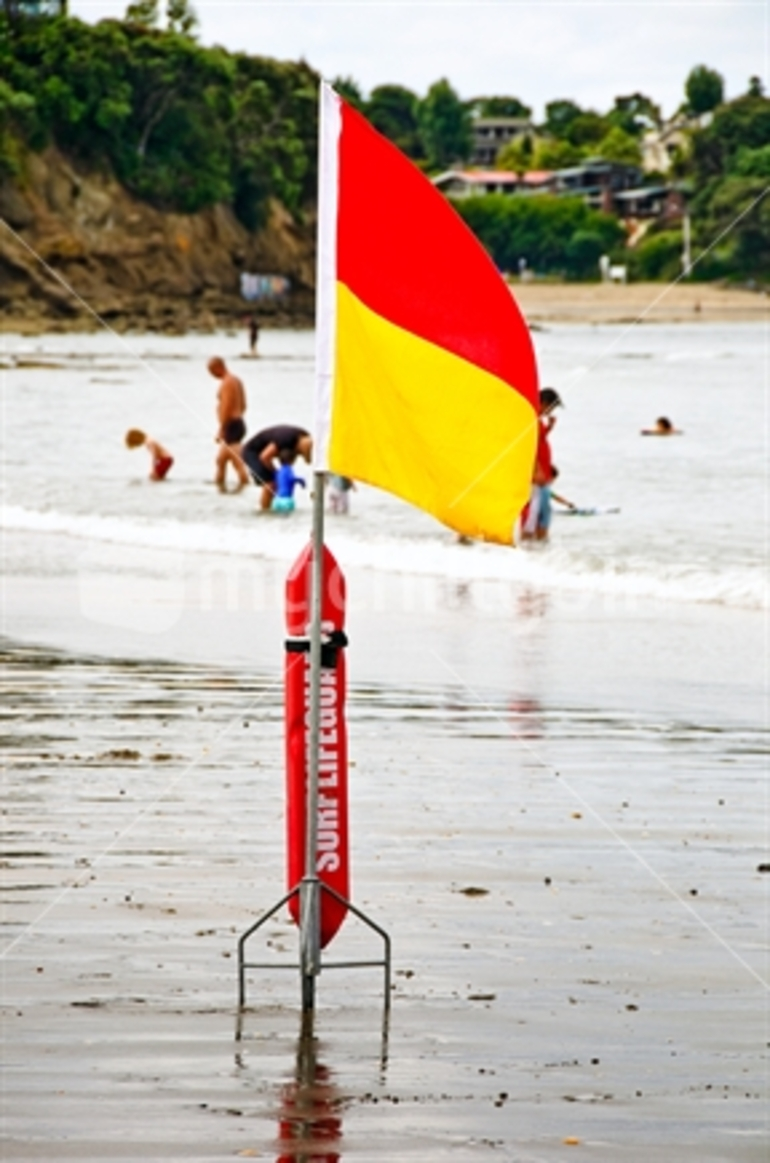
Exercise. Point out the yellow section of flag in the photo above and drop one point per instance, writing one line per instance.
(441, 425)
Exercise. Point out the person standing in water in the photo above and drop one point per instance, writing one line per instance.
(339, 493)
(253, 334)
(536, 519)
(231, 406)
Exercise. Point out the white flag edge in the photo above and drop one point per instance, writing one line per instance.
(329, 130)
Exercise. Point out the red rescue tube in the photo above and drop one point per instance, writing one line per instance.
(332, 864)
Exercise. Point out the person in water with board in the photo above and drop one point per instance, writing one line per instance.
(161, 459)
(536, 518)
(281, 443)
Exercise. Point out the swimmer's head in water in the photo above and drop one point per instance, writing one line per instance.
(663, 424)
(135, 438)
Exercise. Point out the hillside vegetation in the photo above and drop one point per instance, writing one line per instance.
(122, 140)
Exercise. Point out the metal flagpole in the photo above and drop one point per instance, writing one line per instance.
(310, 886)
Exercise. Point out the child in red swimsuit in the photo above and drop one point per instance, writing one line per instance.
(161, 458)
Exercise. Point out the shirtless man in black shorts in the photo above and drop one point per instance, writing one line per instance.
(231, 405)
(281, 443)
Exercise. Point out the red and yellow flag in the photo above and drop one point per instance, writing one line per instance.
(426, 376)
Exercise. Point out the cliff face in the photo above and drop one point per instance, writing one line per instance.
(132, 265)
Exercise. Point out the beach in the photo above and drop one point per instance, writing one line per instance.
(706, 303)
(543, 301)
(558, 782)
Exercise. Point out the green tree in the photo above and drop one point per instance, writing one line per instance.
(555, 155)
(756, 88)
(555, 235)
(658, 256)
(350, 91)
(704, 90)
(752, 163)
(559, 115)
(143, 13)
(273, 136)
(587, 129)
(17, 110)
(445, 126)
(180, 125)
(392, 110)
(619, 146)
(181, 17)
(516, 155)
(737, 213)
(582, 254)
(740, 124)
(730, 209)
(498, 107)
(634, 114)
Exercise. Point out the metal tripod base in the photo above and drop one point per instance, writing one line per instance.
(309, 891)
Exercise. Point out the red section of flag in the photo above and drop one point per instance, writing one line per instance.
(405, 253)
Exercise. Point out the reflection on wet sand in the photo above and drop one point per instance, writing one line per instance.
(310, 1115)
(527, 717)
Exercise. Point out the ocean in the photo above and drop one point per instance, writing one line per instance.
(689, 519)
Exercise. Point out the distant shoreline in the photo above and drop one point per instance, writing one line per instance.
(541, 303)
(639, 303)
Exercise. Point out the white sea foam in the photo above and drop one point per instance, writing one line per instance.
(547, 567)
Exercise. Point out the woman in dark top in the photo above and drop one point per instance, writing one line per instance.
(281, 443)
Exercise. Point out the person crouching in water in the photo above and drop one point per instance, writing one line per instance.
(286, 480)
(267, 450)
(160, 458)
(536, 519)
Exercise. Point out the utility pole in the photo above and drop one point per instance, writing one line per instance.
(686, 252)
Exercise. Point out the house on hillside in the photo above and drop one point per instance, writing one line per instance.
(666, 203)
(467, 183)
(659, 146)
(597, 182)
(608, 186)
(490, 134)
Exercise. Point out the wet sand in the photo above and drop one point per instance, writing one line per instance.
(571, 882)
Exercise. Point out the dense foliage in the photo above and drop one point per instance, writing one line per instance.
(730, 174)
(180, 125)
(445, 126)
(704, 90)
(552, 235)
(184, 127)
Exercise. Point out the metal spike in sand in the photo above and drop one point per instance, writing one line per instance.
(310, 889)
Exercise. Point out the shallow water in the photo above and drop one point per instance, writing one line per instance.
(692, 508)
